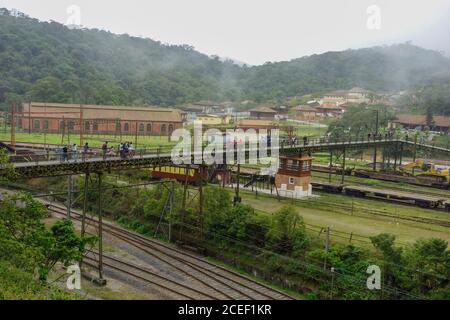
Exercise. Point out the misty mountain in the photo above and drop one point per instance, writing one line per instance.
(48, 61)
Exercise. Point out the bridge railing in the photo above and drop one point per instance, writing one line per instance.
(57, 154)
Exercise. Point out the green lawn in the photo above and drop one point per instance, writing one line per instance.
(322, 210)
(93, 140)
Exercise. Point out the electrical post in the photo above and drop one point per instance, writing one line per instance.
(237, 199)
(83, 213)
(343, 166)
(136, 136)
(69, 195)
(200, 192)
(81, 125)
(331, 165)
(100, 231)
(415, 152)
(327, 246)
(183, 205)
(332, 283)
(83, 217)
(374, 143)
(172, 188)
(13, 124)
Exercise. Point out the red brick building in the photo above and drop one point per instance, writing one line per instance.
(58, 117)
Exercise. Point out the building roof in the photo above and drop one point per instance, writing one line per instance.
(256, 123)
(344, 93)
(337, 93)
(304, 108)
(208, 116)
(103, 112)
(358, 90)
(263, 109)
(420, 120)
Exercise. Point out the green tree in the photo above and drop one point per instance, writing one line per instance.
(287, 232)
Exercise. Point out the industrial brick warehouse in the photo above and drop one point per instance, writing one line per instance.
(39, 117)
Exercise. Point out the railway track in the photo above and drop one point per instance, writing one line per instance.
(438, 193)
(215, 281)
(148, 276)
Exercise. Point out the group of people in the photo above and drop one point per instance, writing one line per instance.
(73, 149)
(126, 149)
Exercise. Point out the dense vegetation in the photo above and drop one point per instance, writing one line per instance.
(280, 244)
(46, 61)
(29, 250)
(431, 99)
(359, 121)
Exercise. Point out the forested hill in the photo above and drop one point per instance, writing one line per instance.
(48, 61)
(101, 67)
(381, 69)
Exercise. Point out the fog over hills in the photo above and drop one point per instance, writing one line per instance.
(48, 61)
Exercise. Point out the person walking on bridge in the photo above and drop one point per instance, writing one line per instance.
(85, 150)
(64, 154)
(105, 149)
(75, 152)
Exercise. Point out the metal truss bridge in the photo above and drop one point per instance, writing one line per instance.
(50, 164)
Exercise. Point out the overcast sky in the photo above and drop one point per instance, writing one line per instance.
(256, 31)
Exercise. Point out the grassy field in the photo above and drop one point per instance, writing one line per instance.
(93, 140)
(401, 186)
(325, 210)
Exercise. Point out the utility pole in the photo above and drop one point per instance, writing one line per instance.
(343, 166)
(81, 125)
(237, 198)
(83, 214)
(415, 152)
(183, 205)
(332, 283)
(172, 189)
(100, 230)
(83, 217)
(69, 195)
(136, 136)
(200, 192)
(374, 143)
(327, 246)
(331, 165)
(13, 124)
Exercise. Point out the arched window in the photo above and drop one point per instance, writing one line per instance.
(62, 125)
(163, 128)
(46, 124)
(126, 127)
(87, 126)
(149, 127)
(95, 126)
(141, 127)
(37, 124)
(71, 125)
(118, 126)
(170, 128)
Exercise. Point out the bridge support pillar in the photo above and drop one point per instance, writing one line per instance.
(100, 230)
